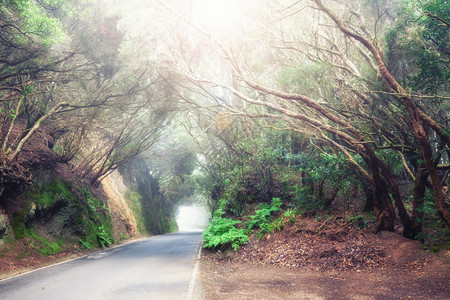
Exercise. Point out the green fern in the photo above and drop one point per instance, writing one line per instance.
(263, 215)
(222, 232)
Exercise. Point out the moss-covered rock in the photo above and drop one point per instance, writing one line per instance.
(65, 212)
(148, 203)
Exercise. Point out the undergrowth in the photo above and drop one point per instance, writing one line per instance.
(263, 215)
(95, 221)
(287, 218)
(222, 233)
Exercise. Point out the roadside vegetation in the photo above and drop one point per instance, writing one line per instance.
(316, 118)
(261, 194)
(346, 124)
(72, 111)
(73, 207)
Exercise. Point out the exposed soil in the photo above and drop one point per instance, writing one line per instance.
(304, 261)
(122, 218)
(314, 259)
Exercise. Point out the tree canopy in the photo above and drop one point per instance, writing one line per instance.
(316, 102)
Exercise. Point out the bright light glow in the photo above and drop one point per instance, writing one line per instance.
(192, 218)
(215, 14)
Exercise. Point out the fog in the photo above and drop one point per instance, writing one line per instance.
(191, 218)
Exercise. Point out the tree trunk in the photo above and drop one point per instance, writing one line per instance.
(35, 127)
(419, 195)
(383, 206)
(370, 198)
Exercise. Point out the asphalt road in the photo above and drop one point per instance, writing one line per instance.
(159, 267)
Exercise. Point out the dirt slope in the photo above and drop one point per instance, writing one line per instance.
(313, 260)
(121, 216)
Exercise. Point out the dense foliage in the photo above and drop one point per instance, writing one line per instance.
(324, 105)
(222, 232)
(353, 114)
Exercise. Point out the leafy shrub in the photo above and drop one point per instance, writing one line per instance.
(94, 219)
(291, 215)
(288, 217)
(222, 233)
(263, 215)
(360, 220)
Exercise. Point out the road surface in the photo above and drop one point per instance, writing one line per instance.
(159, 267)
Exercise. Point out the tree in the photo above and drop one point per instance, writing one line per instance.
(26, 86)
(343, 116)
(52, 74)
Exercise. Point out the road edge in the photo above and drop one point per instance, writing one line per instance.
(194, 277)
(75, 258)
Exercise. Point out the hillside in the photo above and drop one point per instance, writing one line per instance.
(58, 215)
(327, 259)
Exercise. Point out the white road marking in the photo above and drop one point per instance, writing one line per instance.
(69, 260)
(190, 291)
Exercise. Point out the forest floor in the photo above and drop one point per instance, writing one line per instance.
(315, 260)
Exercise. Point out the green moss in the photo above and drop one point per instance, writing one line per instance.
(162, 221)
(41, 244)
(40, 197)
(18, 220)
(149, 215)
(46, 195)
(172, 225)
(134, 203)
(88, 213)
(18, 227)
(167, 224)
